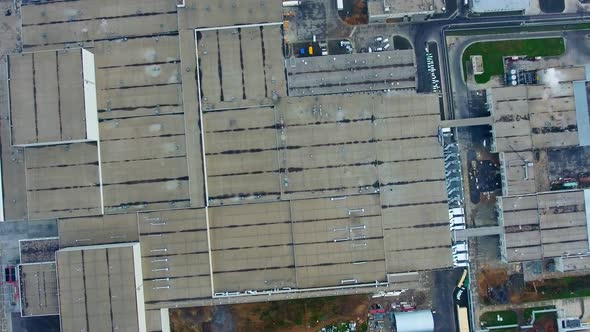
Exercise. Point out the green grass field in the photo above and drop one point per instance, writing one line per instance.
(527, 28)
(493, 51)
(563, 288)
(489, 319)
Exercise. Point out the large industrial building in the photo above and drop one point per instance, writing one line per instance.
(536, 130)
(185, 162)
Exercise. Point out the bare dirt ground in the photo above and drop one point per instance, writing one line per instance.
(497, 286)
(489, 277)
(281, 316)
(9, 28)
(545, 324)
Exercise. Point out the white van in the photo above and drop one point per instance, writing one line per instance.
(457, 220)
(460, 257)
(386, 46)
(461, 264)
(458, 248)
(459, 212)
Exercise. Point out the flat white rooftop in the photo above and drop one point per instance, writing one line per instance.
(485, 6)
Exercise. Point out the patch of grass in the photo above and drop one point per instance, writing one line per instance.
(338, 327)
(563, 288)
(516, 29)
(493, 51)
(401, 43)
(528, 312)
(489, 319)
(363, 327)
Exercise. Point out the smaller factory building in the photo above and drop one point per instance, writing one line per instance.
(414, 321)
(381, 11)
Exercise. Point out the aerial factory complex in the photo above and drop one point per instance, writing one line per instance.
(158, 155)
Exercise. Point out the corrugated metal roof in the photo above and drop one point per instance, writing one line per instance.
(415, 321)
(482, 6)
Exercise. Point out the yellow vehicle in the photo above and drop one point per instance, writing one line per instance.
(462, 280)
(463, 318)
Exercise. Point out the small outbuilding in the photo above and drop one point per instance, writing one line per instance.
(477, 64)
(414, 321)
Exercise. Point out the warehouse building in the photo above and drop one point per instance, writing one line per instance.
(53, 134)
(101, 288)
(535, 128)
(530, 118)
(544, 225)
(381, 11)
(211, 180)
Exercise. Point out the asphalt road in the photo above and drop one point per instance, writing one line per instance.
(443, 303)
(34, 324)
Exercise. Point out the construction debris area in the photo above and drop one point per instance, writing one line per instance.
(38, 250)
(569, 163)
